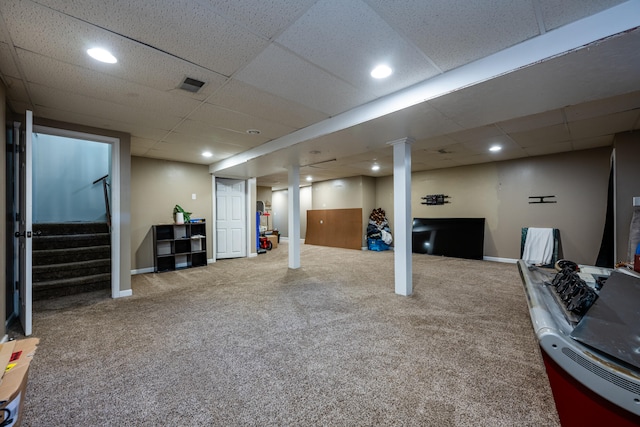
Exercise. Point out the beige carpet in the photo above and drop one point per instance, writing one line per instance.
(248, 342)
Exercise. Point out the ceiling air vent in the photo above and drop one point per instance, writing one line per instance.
(191, 85)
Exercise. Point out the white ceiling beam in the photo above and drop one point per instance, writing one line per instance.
(576, 35)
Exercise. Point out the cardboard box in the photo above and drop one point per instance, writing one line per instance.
(273, 239)
(15, 356)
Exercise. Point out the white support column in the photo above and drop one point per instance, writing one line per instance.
(294, 216)
(402, 215)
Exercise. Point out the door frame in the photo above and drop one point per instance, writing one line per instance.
(215, 181)
(115, 192)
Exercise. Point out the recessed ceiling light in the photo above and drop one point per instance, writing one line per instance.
(309, 178)
(253, 131)
(102, 55)
(381, 71)
(375, 167)
(207, 154)
(495, 148)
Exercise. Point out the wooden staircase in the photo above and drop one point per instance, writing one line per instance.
(69, 258)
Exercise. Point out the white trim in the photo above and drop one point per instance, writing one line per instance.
(124, 294)
(614, 172)
(214, 229)
(4, 339)
(115, 193)
(498, 259)
(252, 255)
(251, 188)
(211, 260)
(142, 271)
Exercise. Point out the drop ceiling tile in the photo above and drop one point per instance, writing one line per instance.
(142, 142)
(474, 159)
(434, 143)
(140, 146)
(267, 18)
(239, 122)
(138, 151)
(194, 147)
(431, 162)
(16, 90)
(107, 111)
(47, 72)
(285, 75)
(182, 28)
(319, 37)
(135, 130)
(8, 67)
(451, 152)
(604, 125)
(482, 145)
(67, 40)
(558, 13)
(456, 32)
(553, 148)
(616, 104)
(543, 135)
(534, 121)
(248, 99)
(599, 141)
(197, 128)
(475, 134)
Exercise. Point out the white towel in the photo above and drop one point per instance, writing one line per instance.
(538, 246)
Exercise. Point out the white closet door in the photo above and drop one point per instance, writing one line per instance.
(230, 218)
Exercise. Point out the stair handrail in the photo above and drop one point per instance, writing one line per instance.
(106, 197)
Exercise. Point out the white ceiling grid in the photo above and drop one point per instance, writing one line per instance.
(282, 66)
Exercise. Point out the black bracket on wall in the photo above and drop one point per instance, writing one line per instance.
(541, 199)
(434, 199)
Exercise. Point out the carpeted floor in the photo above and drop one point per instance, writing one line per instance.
(248, 342)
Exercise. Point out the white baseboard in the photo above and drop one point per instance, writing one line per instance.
(211, 260)
(142, 271)
(252, 255)
(125, 293)
(497, 259)
(286, 239)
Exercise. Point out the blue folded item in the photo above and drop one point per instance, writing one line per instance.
(377, 245)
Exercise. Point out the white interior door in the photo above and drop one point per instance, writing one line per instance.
(230, 218)
(25, 226)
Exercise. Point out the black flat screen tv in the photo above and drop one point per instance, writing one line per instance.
(453, 237)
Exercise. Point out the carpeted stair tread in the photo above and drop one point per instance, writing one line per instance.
(71, 270)
(70, 240)
(81, 253)
(73, 282)
(71, 228)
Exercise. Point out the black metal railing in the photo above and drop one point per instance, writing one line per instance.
(105, 186)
